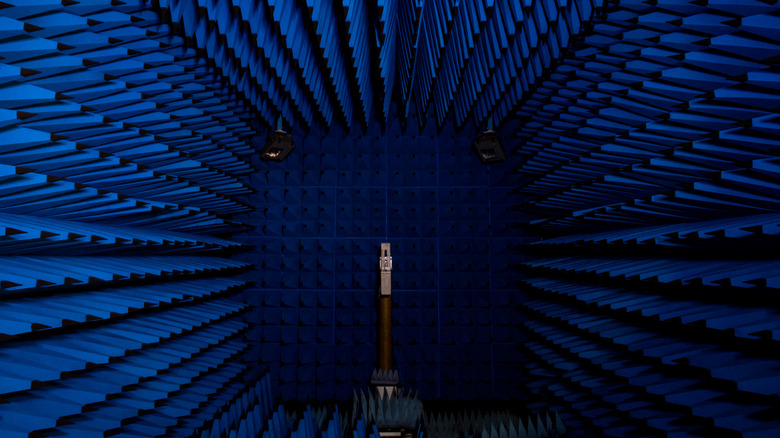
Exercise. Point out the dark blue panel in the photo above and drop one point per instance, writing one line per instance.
(442, 240)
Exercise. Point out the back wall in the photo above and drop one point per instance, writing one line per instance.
(320, 218)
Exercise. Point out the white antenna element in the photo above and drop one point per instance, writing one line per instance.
(385, 271)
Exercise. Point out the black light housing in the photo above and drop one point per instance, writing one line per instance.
(488, 147)
(278, 146)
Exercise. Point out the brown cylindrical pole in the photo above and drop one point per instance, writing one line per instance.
(385, 332)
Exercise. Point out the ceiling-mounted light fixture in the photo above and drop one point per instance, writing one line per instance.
(488, 147)
(279, 144)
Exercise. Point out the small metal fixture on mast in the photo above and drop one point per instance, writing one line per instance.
(385, 270)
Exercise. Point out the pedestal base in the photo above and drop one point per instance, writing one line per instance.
(385, 382)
